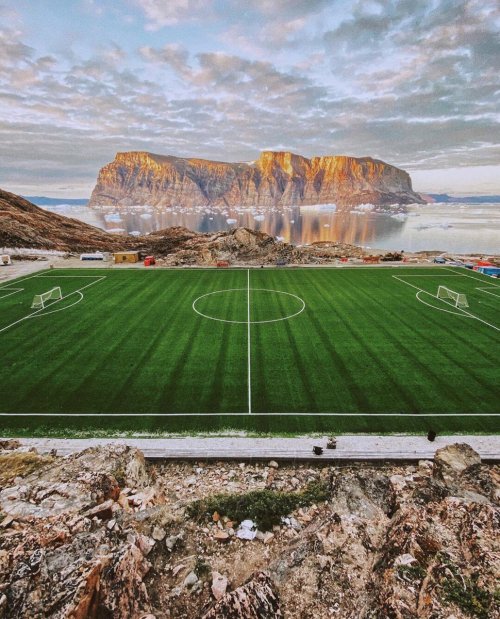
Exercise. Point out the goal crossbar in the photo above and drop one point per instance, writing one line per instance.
(456, 299)
(40, 300)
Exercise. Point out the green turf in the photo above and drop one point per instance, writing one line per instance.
(357, 343)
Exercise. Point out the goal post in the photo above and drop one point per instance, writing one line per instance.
(40, 300)
(457, 299)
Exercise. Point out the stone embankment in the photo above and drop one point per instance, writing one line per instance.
(102, 533)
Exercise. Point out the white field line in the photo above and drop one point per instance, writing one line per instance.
(440, 309)
(487, 291)
(71, 276)
(249, 347)
(252, 322)
(17, 281)
(414, 275)
(12, 291)
(51, 304)
(76, 415)
(465, 313)
(61, 309)
(481, 277)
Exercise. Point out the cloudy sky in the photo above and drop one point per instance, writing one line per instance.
(412, 82)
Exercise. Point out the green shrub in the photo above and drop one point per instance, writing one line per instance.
(202, 569)
(264, 507)
(468, 596)
(411, 572)
(20, 464)
(464, 591)
(120, 475)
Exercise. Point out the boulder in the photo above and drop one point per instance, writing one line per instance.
(76, 483)
(454, 462)
(256, 599)
(366, 494)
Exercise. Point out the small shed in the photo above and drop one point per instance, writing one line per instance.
(222, 263)
(126, 256)
(5, 260)
(95, 256)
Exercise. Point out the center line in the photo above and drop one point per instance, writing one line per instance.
(248, 334)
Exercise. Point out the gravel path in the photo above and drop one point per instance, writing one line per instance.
(22, 269)
(349, 447)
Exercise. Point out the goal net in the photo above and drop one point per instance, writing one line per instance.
(455, 298)
(41, 299)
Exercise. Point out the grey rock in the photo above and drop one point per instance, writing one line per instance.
(190, 580)
(256, 599)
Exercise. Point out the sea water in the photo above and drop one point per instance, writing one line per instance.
(458, 228)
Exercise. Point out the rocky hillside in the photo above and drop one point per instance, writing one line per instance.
(179, 246)
(104, 534)
(275, 179)
(22, 224)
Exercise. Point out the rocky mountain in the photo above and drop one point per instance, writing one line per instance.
(275, 179)
(22, 224)
(103, 533)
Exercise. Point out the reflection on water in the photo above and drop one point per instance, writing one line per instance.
(454, 228)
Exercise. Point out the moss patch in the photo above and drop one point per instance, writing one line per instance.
(264, 507)
(20, 464)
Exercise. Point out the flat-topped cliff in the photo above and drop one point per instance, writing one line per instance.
(275, 179)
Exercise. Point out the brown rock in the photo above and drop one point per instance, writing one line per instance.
(74, 484)
(256, 599)
(453, 462)
(104, 510)
(222, 536)
(219, 585)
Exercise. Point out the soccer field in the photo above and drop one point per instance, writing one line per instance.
(266, 350)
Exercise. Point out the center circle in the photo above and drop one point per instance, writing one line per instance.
(235, 305)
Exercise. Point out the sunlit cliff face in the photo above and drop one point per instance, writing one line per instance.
(276, 179)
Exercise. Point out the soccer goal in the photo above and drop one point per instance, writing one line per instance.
(456, 298)
(41, 299)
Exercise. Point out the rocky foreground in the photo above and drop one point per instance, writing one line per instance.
(104, 534)
(274, 179)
